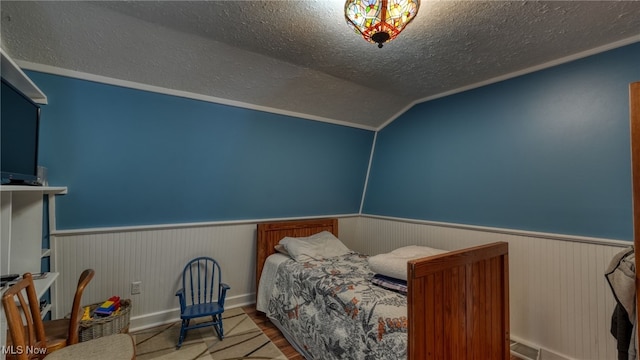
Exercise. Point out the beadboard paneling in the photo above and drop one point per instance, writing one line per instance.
(559, 298)
(156, 257)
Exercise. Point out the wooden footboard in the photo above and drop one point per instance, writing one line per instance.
(458, 304)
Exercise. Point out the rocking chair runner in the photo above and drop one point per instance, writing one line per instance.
(202, 295)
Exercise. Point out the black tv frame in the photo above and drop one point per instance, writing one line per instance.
(19, 178)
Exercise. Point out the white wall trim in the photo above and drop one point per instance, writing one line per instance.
(366, 180)
(534, 234)
(103, 230)
(184, 94)
(566, 59)
(543, 235)
(172, 315)
(406, 108)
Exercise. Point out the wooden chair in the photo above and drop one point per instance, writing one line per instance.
(29, 340)
(63, 332)
(202, 295)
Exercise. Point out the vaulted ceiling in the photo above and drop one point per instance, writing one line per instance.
(300, 57)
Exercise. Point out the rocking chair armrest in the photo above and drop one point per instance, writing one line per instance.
(223, 293)
(181, 298)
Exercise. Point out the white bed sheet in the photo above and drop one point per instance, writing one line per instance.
(267, 280)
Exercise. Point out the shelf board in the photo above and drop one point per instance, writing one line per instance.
(42, 285)
(14, 75)
(49, 190)
(45, 310)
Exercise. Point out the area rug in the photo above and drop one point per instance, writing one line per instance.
(243, 340)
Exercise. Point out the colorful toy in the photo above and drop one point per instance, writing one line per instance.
(109, 306)
(116, 301)
(86, 316)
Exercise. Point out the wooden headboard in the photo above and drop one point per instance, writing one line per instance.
(270, 233)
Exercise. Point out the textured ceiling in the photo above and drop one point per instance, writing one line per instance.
(300, 57)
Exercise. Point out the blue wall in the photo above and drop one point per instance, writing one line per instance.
(548, 151)
(131, 157)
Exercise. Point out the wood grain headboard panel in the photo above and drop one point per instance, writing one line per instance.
(270, 233)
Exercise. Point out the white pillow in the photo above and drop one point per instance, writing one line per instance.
(322, 245)
(415, 251)
(281, 249)
(394, 264)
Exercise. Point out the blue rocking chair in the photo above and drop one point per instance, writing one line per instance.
(202, 295)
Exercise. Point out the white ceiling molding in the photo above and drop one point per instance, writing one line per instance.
(47, 69)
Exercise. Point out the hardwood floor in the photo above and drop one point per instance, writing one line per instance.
(272, 332)
(276, 336)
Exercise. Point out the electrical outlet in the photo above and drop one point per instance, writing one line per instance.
(136, 287)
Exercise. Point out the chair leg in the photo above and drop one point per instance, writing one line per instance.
(183, 331)
(218, 325)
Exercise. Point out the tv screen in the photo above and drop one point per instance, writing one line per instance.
(19, 127)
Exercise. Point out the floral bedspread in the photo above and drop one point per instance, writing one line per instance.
(334, 312)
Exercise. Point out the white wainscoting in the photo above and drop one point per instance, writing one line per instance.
(559, 298)
(156, 256)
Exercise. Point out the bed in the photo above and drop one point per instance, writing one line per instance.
(457, 303)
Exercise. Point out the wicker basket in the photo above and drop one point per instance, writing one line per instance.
(108, 325)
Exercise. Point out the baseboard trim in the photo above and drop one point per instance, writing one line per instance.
(150, 320)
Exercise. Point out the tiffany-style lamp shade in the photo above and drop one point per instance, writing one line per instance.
(380, 21)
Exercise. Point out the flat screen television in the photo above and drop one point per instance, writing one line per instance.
(19, 128)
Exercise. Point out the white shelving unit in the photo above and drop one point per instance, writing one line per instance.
(21, 230)
(21, 250)
(21, 210)
(42, 285)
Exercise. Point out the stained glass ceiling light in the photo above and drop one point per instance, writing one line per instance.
(380, 21)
